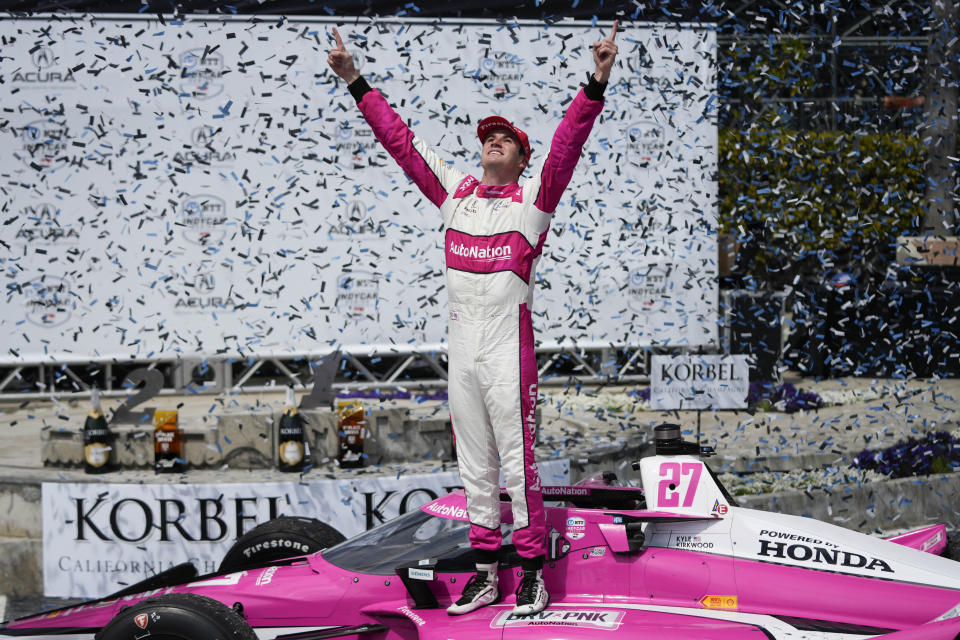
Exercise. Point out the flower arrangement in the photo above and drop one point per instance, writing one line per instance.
(934, 452)
(785, 397)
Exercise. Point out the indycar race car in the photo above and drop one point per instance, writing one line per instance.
(676, 560)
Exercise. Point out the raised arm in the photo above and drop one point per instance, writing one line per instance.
(574, 129)
(341, 61)
(421, 164)
(604, 54)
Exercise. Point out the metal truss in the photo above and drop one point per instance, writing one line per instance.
(559, 366)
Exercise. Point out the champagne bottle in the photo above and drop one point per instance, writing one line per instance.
(96, 438)
(168, 443)
(290, 447)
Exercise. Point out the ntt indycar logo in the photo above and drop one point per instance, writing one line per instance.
(447, 511)
(483, 254)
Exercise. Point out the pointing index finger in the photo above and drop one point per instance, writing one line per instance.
(336, 34)
(613, 30)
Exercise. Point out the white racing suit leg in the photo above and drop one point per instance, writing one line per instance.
(493, 395)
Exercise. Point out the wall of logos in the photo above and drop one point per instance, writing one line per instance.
(206, 186)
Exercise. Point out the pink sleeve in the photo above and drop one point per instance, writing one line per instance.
(565, 150)
(427, 170)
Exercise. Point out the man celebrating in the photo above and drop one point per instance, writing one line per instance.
(495, 231)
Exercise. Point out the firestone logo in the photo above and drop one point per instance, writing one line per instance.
(202, 73)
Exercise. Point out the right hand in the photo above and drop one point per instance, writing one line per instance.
(341, 61)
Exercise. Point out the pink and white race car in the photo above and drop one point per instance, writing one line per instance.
(675, 560)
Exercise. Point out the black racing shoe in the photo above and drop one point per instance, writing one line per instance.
(480, 590)
(531, 594)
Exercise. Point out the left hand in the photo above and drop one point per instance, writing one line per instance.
(604, 53)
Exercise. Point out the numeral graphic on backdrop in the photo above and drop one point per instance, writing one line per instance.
(152, 381)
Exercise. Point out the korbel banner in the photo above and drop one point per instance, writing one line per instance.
(699, 382)
(205, 186)
(100, 538)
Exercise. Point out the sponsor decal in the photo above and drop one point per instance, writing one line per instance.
(498, 75)
(647, 288)
(47, 73)
(48, 300)
(277, 543)
(204, 151)
(204, 217)
(45, 143)
(202, 73)
(200, 295)
(420, 574)
(697, 543)
(357, 294)
(932, 541)
(141, 620)
(577, 618)
(454, 315)
(43, 224)
(700, 372)
(355, 142)
(447, 511)
(566, 491)
(355, 222)
(531, 421)
(799, 548)
(576, 528)
(598, 552)
(728, 603)
(413, 616)
(644, 143)
(266, 576)
(719, 509)
(482, 254)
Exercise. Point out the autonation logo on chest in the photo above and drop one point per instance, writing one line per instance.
(699, 382)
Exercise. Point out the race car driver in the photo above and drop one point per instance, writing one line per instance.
(495, 230)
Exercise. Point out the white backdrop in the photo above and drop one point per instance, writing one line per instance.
(207, 187)
(100, 538)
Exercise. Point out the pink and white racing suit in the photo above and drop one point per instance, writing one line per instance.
(494, 238)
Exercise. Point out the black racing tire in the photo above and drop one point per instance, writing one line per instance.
(283, 537)
(178, 616)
